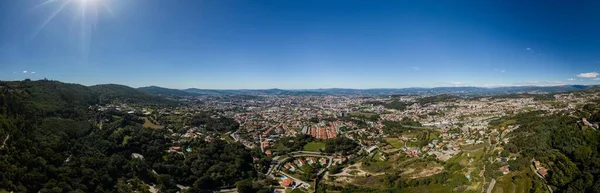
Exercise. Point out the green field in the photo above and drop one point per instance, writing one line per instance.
(395, 142)
(520, 183)
(314, 146)
(473, 147)
(278, 147)
(227, 138)
(149, 124)
(376, 166)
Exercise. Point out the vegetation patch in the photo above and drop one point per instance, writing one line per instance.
(433, 188)
(149, 124)
(314, 146)
(395, 142)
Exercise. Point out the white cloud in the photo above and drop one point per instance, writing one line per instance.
(588, 75)
(528, 49)
(24, 71)
(495, 85)
(541, 83)
(32, 72)
(571, 79)
(596, 79)
(457, 83)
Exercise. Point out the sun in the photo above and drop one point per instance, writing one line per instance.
(86, 17)
(89, 1)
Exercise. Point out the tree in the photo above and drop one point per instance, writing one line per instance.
(245, 186)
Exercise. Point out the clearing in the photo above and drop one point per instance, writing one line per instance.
(314, 146)
(395, 142)
(149, 124)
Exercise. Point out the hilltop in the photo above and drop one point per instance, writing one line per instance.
(50, 95)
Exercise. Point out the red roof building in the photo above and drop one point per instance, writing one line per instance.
(543, 171)
(287, 182)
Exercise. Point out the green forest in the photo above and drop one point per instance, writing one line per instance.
(50, 142)
(571, 150)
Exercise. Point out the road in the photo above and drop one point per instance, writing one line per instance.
(491, 187)
(284, 159)
(299, 154)
(228, 190)
(532, 167)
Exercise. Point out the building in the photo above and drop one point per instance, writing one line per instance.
(504, 169)
(287, 182)
(174, 149)
(323, 161)
(371, 149)
(137, 156)
(543, 172)
(266, 145)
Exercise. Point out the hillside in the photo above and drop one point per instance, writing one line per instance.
(51, 141)
(108, 93)
(48, 95)
(165, 91)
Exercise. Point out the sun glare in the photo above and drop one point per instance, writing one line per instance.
(86, 17)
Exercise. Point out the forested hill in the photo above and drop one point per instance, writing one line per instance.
(112, 92)
(50, 95)
(569, 149)
(165, 91)
(51, 141)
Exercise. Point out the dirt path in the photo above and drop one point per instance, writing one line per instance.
(410, 172)
(346, 171)
(482, 174)
(4, 142)
(491, 187)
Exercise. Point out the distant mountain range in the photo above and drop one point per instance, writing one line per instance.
(459, 91)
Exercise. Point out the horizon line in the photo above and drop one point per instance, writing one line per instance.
(323, 88)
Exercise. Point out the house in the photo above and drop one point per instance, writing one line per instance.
(137, 156)
(371, 149)
(301, 162)
(542, 171)
(339, 160)
(287, 182)
(323, 161)
(290, 167)
(504, 169)
(174, 149)
(537, 164)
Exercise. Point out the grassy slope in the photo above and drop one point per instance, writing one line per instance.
(314, 146)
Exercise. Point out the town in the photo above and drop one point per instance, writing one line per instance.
(417, 136)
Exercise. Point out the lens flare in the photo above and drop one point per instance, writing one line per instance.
(86, 18)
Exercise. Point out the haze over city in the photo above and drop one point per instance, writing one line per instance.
(300, 44)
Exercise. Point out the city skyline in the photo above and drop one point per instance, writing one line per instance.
(300, 45)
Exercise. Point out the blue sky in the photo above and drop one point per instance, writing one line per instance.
(301, 44)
